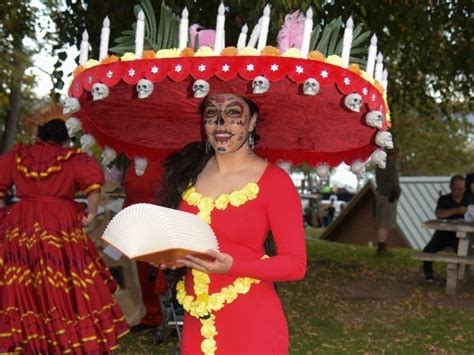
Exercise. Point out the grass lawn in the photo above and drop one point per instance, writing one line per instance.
(352, 301)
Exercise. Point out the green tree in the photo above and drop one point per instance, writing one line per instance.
(19, 21)
(427, 47)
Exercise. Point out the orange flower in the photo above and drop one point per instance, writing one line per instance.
(187, 52)
(270, 51)
(230, 51)
(316, 55)
(148, 54)
(78, 70)
(355, 68)
(109, 59)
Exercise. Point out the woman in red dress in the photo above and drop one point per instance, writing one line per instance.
(231, 303)
(54, 287)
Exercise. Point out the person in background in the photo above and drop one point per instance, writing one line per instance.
(388, 193)
(449, 206)
(143, 189)
(55, 290)
(470, 185)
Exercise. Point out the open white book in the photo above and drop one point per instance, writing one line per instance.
(159, 235)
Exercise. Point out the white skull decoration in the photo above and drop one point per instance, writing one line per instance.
(311, 87)
(384, 139)
(108, 156)
(374, 119)
(379, 157)
(71, 105)
(200, 88)
(322, 170)
(87, 141)
(73, 126)
(357, 167)
(99, 91)
(144, 88)
(140, 166)
(260, 85)
(353, 102)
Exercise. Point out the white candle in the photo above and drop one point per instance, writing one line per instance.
(307, 29)
(220, 23)
(84, 49)
(242, 37)
(379, 67)
(255, 34)
(140, 35)
(371, 56)
(183, 29)
(104, 38)
(385, 79)
(347, 42)
(262, 39)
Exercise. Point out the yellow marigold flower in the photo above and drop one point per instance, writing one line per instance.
(206, 204)
(334, 60)
(292, 52)
(204, 51)
(216, 301)
(91, 63)
(248, 51)
(187, 302)
(222, 201)
(187, 193)
(127, 56)
(354, 68)
(168, 53)
(379, 87)
(251, 190)
(208, 346)
(241, 287)
(237, 198)
(194, 198)
(229, 293)
(208, 330)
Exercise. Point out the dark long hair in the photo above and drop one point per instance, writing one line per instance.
(182, 168)
(53, 131)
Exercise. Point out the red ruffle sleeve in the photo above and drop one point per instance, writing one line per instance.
(87, 173)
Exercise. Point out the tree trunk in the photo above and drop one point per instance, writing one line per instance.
(12, 118)
(14, 99)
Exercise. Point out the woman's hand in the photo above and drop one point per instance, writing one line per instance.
(88, 218)
(221, 264)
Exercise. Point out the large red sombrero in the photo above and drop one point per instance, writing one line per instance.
(311, 110)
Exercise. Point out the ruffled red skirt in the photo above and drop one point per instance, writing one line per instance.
(55, 290)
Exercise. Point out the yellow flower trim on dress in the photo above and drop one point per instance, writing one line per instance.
(42, 174)
(204, 305)
(207, 204)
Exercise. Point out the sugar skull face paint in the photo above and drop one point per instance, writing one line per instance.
(227, 122)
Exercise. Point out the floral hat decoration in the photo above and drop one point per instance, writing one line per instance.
(317, 104)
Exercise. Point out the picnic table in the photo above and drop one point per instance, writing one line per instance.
(457, 264)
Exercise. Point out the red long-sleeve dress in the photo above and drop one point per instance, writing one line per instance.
(54, 287)
(254, 323)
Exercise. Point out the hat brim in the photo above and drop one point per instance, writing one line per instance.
(292, 126)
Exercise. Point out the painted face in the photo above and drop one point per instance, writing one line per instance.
(227, 122)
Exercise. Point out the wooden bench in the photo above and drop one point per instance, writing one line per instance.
(453, 261)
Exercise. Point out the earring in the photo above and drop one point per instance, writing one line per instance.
(208, 147)
(250, 144)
